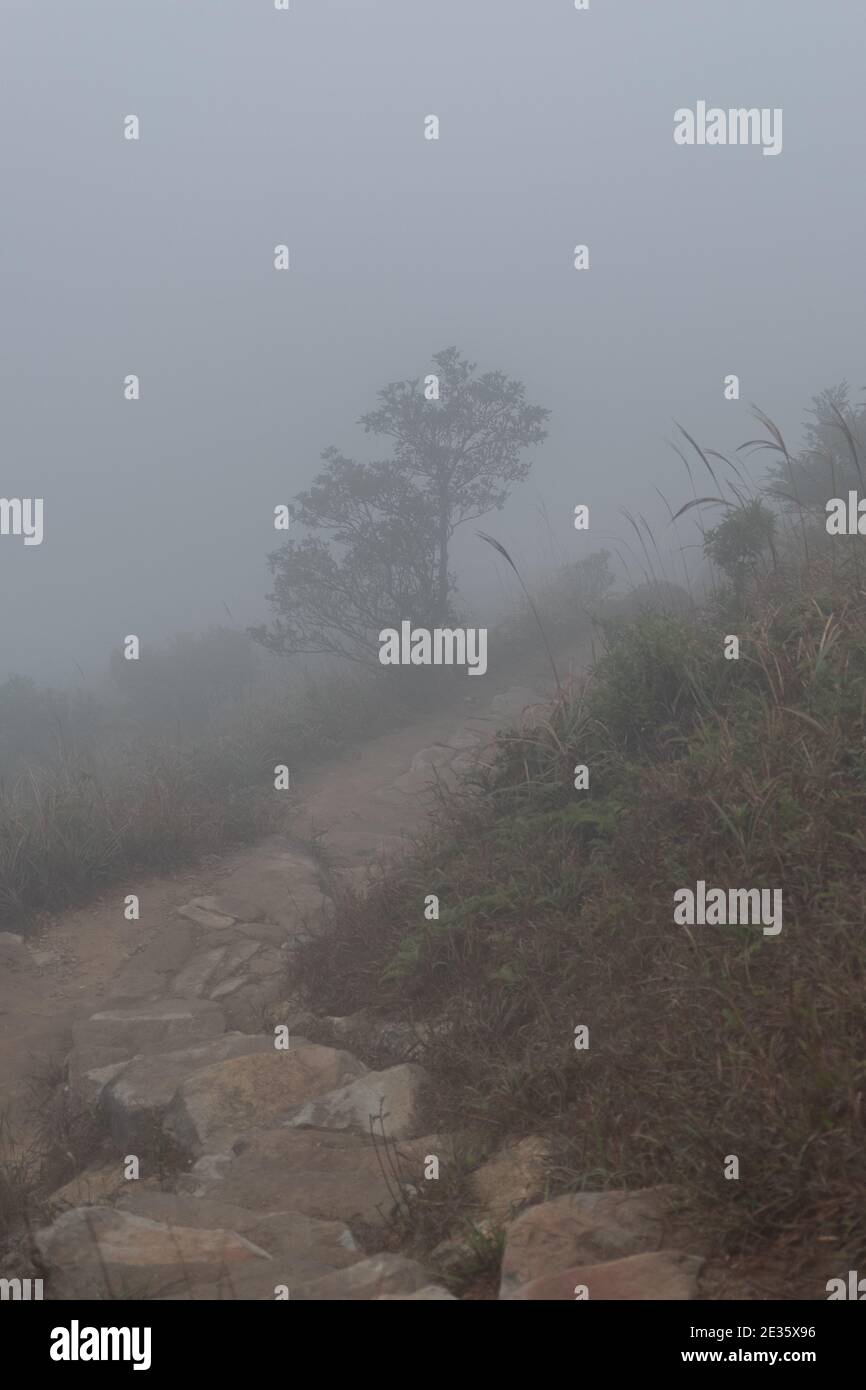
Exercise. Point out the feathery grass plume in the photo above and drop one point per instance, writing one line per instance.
(498, 546)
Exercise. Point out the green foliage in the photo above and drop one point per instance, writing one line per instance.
(557, 909)
(830, 462)
(379, 534)
(653, 678)
(741, 541)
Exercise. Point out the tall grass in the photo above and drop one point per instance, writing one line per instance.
(77, 823)
(557, 910)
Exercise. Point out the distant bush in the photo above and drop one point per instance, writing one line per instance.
(74, 822)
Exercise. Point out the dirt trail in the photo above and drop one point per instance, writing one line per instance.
(357, 805)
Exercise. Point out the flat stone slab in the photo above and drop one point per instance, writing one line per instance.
(115, 1035)
(247, 1006)
(302, 1246)
(135, 1101)
(136, 981)
(94, 1187)
(431, 1293)
(203, 917)
(282, 881)
(197, 974)
(332, 1175)
(221, 1101)
(239, 956)
(368, 1279)
(393, 1094)
(166, 949)
(661, 1274)
(583, 1228)
(228, 905)
(99, 1252)
(262, 931)
(87, 1086)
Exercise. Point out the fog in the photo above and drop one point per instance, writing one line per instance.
(258, 127)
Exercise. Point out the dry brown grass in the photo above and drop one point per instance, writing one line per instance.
(557, 910)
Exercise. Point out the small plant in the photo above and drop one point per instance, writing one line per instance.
(741, 542)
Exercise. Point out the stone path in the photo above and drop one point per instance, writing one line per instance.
(197, 1065)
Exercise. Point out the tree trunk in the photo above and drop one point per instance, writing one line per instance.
(442, 585)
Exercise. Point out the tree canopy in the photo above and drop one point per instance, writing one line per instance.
(377, 536)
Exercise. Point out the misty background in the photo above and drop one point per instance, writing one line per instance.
(260, 127)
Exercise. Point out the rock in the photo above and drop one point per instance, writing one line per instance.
(167, 949)
(393, 1092)
(368, 1279)
(93, 1187)
(431, 1293)
(282, 881)
(115, 1035)
(135, 1101)
(268, 962)
(304, 1247)
(262, 931)
(223, 1100)
(98, 1252)
(12, 950)
(332, 1175)
(663, 1274)
(583, 1228)
(453, 1256)
(136, 981)
(246, 1007)
(196, 975)
(175, 1209)
(87, 1087)
(228, 987)
(348, 1026)
(238, 957)
(225, 905)
(288, 1013)
(517, 1174)
(201, 917)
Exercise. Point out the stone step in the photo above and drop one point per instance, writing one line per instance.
(118, 1034)
(586, 1230)
(387, 1099)
(661, 1274)
(329, 1174)
(218, 1103)
(135, 1100)
(368, 1279)
(102, 1252)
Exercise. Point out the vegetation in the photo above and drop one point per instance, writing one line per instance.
(105, 790)
(379, 534)
(557, 911)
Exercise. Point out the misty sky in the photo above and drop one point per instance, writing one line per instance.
(260, 127)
